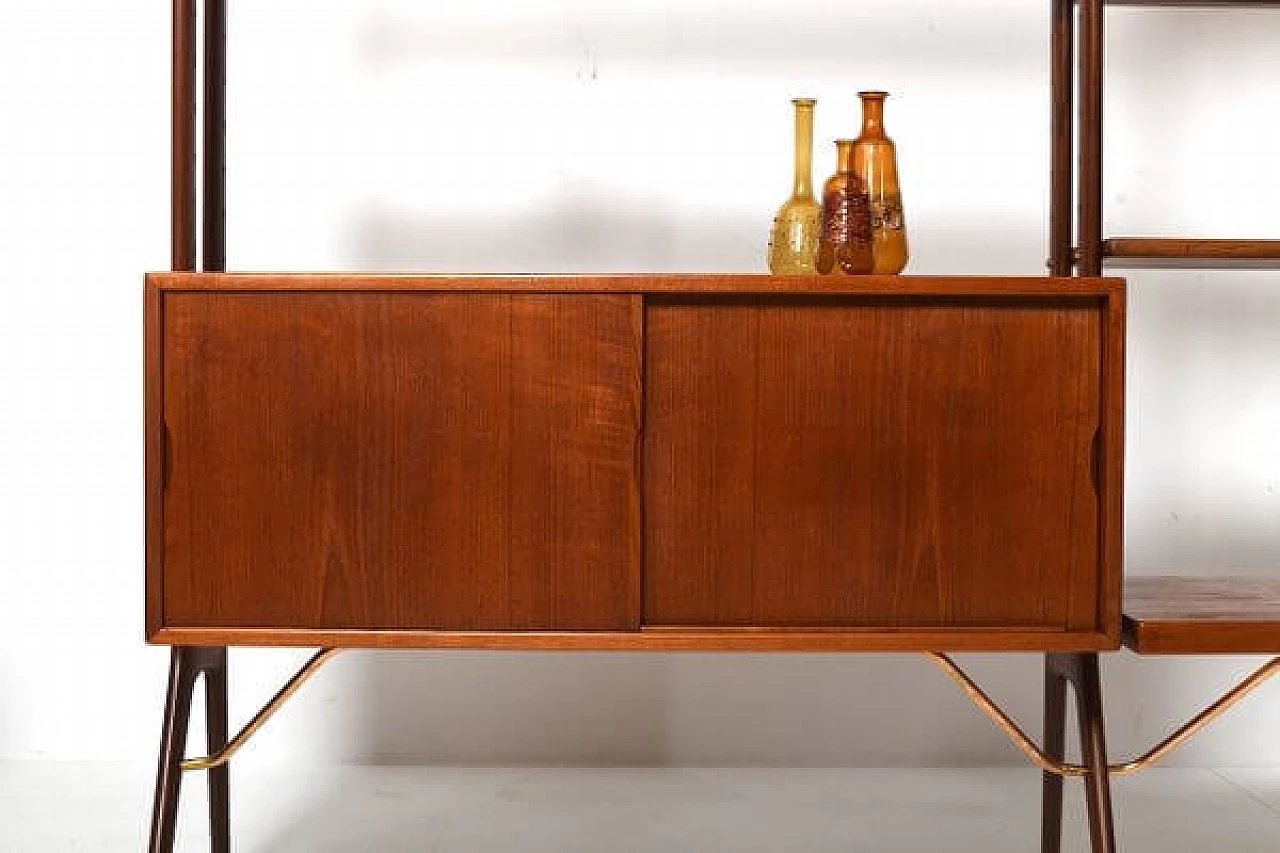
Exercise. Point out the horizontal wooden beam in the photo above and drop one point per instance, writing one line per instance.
(1199, 4)
(656, 640)
(1159, 252)
(675, 285)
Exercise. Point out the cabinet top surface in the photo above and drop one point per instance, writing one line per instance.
(689, 284)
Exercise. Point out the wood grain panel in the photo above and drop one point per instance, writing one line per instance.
(445, 461)
(913, 464)
(1223, 614)
(575, 514)
(699, 412)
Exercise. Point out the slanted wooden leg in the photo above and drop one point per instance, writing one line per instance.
(215, 691)
(1055, 746)
(1093, 749)
(1081, 670)
(186, 664)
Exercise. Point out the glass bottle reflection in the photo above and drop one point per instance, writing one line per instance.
(793, 241)
(845, 246)
(875, 159)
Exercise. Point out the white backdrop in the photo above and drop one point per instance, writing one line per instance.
(606, 136)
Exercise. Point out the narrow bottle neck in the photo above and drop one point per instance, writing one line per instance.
(872, 115)
(803, 185)
(844, 155)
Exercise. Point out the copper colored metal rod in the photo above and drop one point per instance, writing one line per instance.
(268, 711)
(1201, 720)
(183, 143)
(214, 218)
(1001, 719)
(1146, 760)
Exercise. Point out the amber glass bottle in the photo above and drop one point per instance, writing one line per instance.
(845, 246)
(793, 241)
(875, 160)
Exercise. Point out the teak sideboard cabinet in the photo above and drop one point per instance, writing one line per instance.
(696, 462)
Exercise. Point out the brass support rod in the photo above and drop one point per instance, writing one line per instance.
(1001, 719)
(1061, 768)
(268, 711)
(1201, 720)
(944, 662)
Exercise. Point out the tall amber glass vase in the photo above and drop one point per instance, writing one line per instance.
(793, 241)
(875, 160)
(845, 246)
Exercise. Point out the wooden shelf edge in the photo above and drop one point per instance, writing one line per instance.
(1212, 614)
(1176, 253)
(664, 640)
(673, 284)
(1207, 639)
(1198, 4)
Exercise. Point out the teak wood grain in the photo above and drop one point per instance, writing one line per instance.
(1229, 614)
(646, 462)
(836, 463)
(428, 461)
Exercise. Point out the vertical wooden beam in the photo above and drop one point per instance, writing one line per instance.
(183, 159)
(214, 216)
(1062, 77)
(1089, 230)
(1081, 671)
(1055, 746)
(173, 737)
(186, 665)
(216, 736)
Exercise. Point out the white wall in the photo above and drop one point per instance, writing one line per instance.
(606, 136)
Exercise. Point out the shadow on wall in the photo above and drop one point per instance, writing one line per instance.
(594, 230)
(606, 709)
(583, 230)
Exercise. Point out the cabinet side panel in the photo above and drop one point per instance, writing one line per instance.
(351, 460)
(914, 465)
(153, 327)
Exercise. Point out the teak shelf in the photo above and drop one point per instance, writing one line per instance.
(674, 462)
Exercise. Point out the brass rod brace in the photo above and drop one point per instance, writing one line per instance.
(218, 759)
(975, 693)
(1062, 768)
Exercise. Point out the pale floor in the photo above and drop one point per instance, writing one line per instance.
(48, 807)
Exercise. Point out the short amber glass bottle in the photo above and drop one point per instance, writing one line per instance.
(875, 160)
(846, 245)
(793, 241)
